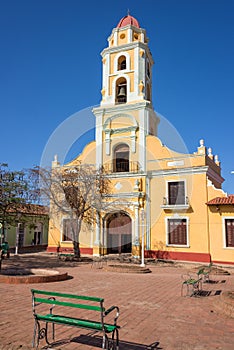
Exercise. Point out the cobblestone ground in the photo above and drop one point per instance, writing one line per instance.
(153, 314)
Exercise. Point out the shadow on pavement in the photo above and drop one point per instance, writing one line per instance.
(96, 341)
(25, 261)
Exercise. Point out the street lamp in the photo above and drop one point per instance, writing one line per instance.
(17, 239)
(142, 237)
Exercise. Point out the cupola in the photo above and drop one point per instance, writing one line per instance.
(128, 20)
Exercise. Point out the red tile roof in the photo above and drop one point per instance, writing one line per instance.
(229, 200)
(128, 20)
(30, 209)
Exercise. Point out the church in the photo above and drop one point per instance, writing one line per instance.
(170, 205)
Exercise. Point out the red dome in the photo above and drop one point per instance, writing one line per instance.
(125, 21)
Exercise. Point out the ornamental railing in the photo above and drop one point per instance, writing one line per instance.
(174, 201)
(122, 167)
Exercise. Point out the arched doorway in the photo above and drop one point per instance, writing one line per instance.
(119, 233)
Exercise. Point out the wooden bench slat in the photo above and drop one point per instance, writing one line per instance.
(76, 322)
(65, 303)
(65, 295)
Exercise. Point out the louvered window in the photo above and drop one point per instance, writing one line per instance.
(177, 231)
(229, 232)
(176, 193)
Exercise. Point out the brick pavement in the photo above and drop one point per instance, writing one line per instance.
(153, 315)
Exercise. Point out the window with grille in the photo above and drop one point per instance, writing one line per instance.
(121, 158)
(176, 193)
(177, 231)
(229, 232)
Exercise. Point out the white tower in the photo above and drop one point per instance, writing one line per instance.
(126, 112)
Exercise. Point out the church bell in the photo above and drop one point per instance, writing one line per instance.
(122, 91)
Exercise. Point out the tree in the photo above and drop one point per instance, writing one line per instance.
(76, 192)
(15, 194)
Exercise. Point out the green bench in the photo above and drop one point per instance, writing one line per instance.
(194, 283)
(66, 256)
(44, 303)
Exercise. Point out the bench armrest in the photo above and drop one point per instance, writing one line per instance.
(110, 310)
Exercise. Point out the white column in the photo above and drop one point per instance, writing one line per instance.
(136, 238)
(107, 72)
(98, 136)
(107, 141)
(142, 237)
(97, 240)
(115, 38)
(148, 216)
(17, 239)
(130, 35)
(133, 141)
(142, 145)
(137, 77)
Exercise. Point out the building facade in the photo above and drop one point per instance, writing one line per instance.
(28, 230)
(165, 200)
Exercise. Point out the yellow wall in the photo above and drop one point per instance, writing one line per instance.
(205, 230)
(220, 253)
(28, 231)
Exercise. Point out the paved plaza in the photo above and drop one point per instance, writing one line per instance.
(153, 314)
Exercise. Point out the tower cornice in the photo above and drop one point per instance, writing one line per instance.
(123, 107)
(128, 46)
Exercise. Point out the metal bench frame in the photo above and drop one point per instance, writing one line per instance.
(193, 285)
(75, 301)
(204, 273)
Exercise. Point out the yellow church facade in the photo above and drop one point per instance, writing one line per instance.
(169, 203)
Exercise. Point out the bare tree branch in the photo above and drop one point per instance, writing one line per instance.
(74, 192)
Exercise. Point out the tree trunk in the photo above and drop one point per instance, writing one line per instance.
(76, 233)
(76, 247)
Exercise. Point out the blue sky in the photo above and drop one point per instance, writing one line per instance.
(50, 68)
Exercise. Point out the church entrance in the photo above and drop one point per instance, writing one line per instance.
(119, 233)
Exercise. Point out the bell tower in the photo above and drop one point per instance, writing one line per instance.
(127, 65)
(126, 109)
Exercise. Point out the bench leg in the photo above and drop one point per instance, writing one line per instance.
(197, 289)
(38, 334)
(187, 286)
(34, 333)
(53, 330)
(105, 342)
(46, 333)
(41, 333)
(112, 344)
(206, 278)
(115, 340)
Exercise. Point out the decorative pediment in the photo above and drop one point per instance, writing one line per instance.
(117, 124)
